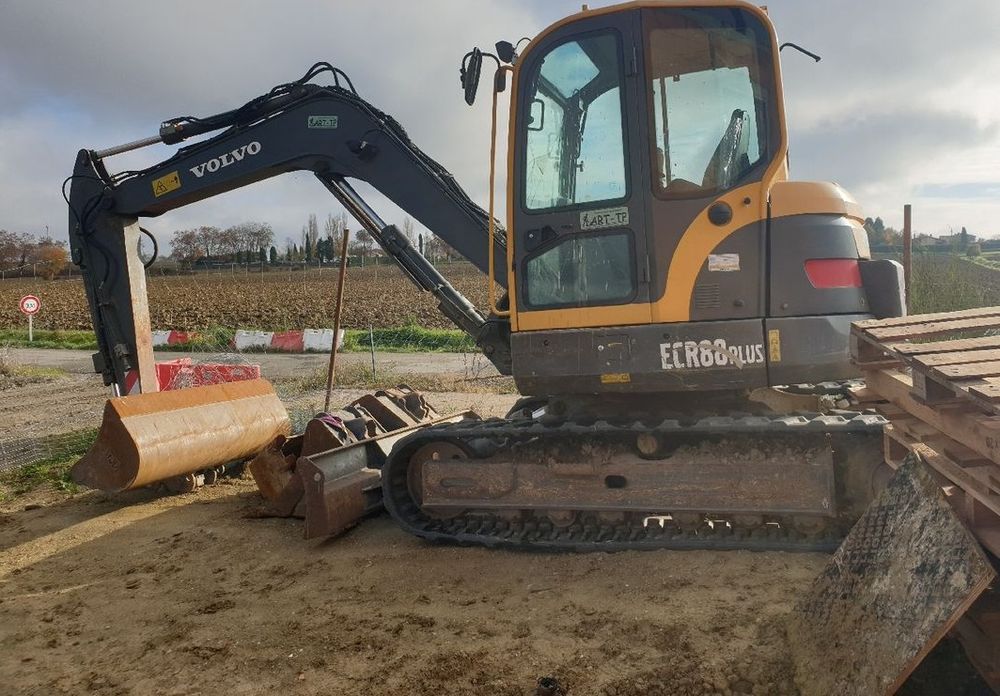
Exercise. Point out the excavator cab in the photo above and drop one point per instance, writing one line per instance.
(656, 244)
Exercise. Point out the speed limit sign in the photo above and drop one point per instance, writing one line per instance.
(30, 305)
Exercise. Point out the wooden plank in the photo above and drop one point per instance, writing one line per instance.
(979, 369)
(937, 328)
(864, 394)
(981, 432)
(955, 344)
(989, 392)
(864, 350)
(924, 318)
(958, 357)
(930, 391)
(904, 575)
(975, 487)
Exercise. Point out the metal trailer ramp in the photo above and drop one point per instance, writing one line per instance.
(905, 574)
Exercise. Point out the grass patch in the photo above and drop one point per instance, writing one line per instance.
(399, 339)
(77, 339)
(949, 283)
(409, 339)
(51, 471)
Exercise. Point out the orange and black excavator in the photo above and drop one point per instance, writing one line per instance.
(675, 310)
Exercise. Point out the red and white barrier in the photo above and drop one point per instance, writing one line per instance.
(172, 338)
(319, 340)
(181, 373)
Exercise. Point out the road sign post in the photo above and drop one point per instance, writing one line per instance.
(29, 305)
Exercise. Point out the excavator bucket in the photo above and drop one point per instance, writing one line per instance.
(160, 436)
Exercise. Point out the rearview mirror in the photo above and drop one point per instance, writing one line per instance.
(472, 66)
(505, 51)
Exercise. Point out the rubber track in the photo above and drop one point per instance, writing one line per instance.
(484, 438)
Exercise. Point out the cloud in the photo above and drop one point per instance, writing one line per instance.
(95, 74)
(904, 95)
(982, 189)
(870, 148)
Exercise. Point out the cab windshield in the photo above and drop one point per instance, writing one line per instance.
(575, 145)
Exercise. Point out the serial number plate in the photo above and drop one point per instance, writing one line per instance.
(606, 217)
(322, 122)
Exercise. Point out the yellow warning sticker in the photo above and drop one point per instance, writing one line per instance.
(774, 345)
(616, 378)
(166, 184)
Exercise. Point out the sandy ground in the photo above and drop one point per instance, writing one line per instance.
(142, 593)
(187, 595)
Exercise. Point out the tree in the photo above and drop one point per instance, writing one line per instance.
(310, 234)
(323, 249)
(210, 239)
(409, 232)
(248, 237)
(50, 257)
(437, 249)
(963, 240)
(361, 244)
(272, 256)
(13, 249)
(334, 229)
(185, 247)
(876, 231)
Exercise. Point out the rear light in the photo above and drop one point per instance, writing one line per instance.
(833, 273)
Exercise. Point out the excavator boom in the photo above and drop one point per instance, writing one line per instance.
(328, 130)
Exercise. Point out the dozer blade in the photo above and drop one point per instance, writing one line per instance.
(330, 475)
(345, 484)
(147, 438)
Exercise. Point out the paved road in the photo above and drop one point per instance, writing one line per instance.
(276, 365)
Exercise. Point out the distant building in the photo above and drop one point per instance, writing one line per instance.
(947, 241)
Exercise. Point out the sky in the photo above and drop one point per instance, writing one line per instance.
(903, 108)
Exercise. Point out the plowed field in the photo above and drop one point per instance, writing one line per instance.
(376, 295)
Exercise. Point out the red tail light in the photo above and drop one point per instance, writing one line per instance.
(833, 273)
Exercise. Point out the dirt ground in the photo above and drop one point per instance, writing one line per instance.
(188, 595)
(142, 593)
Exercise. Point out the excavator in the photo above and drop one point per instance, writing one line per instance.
(674, 309)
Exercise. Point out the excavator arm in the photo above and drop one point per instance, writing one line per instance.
(299, 126)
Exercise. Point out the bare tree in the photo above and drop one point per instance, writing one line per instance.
(249, 238)
(408, 231)
(436, 249)
(334, 228)
(186, 247)
(210, 239)
(13, 249)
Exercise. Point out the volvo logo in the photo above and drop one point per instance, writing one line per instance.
(224, 160)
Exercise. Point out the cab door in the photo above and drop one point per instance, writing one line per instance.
(578, 213)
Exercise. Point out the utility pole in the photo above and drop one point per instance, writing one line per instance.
(907, 251)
